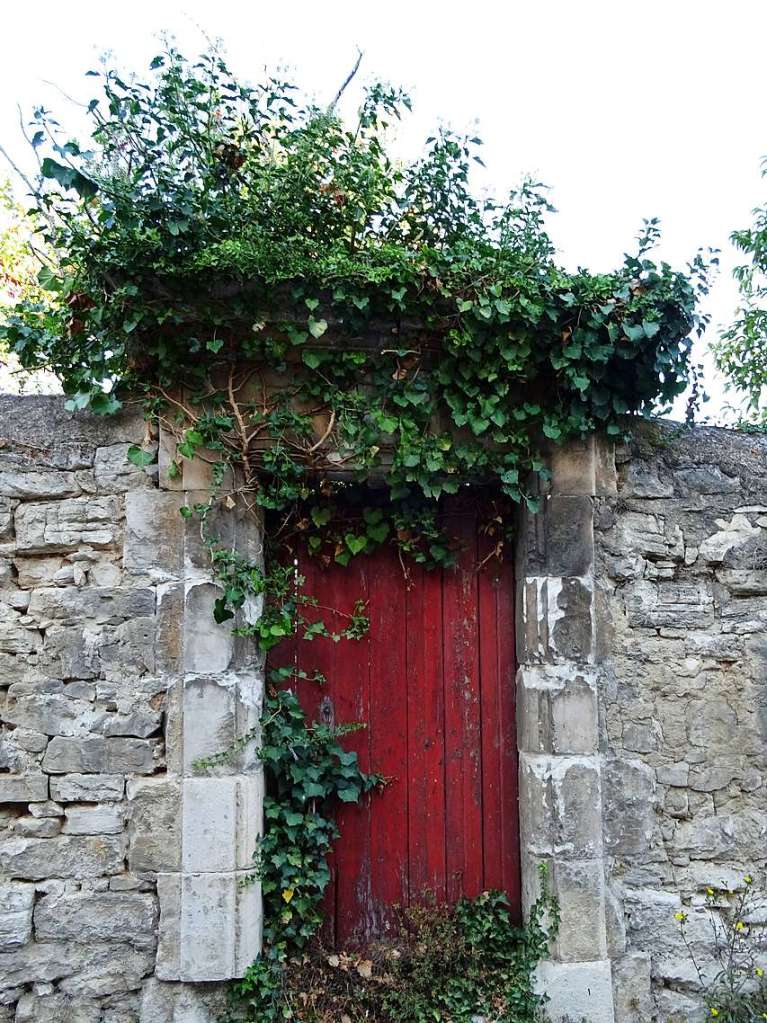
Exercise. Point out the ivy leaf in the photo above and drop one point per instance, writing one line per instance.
(69, 177)
(215, 345)
(650, 327)
(356, 544)
(317, 327)
(221, 612)
(378, 532)
(104, 404)
(311, 359)
(48, 280)
(137, 456)
(320, 516)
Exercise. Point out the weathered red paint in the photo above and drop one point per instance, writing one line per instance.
(434, 683)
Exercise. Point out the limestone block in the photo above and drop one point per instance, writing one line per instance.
(97, 819)
(676, 605)
(115, 474)
(573, 468)
(629, 799)
(170, 628)
(677, 1007)
(34, 572)
(23, 788)
(77, 856)
(643, 481)
(569, 535)
(579, 887)
(71, 652)
(164, 1002)
(577, 991)
(131, 706)
(154, 534)
(63, 525)
(210, 926)
(94, 604)
(94, 754)
(560, 806)
(221, 823)
(712, 724)
(217, 712)
(87, 788)
(37, 963)
(154, 814)
(129, 648)
(46, 809)
(6, 518)
(37, 827)
(55, 1008)
(208, 648)
(556, 620)
(732, 534)
(557, 710)
(36, 484)
(17, 638)
(728, 837)
(110, 917)
(16, 902)
(632, 988)
(108, 970)
(706, 480)
(44, 706)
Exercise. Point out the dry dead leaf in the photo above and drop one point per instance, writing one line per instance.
(365, 968)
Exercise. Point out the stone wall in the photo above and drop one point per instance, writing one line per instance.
(681, 568)
(642, 710)
(120, 866)
(641, 707)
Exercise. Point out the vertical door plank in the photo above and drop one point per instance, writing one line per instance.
(426, 736)
(492, 736)
(389, 737)
(351, 702)
(462, 712)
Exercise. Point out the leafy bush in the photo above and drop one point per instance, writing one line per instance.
(447, 965)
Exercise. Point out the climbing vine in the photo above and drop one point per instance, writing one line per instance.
(343, 336)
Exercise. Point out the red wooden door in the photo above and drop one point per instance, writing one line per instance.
(434, 683)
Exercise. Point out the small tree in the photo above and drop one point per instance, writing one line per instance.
(741, 352)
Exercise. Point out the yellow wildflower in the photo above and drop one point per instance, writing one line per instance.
(288, 894)
(759, 971)
(681, 917)
(714, 1012)
(740, 926)
(709, 891)
(748, 879)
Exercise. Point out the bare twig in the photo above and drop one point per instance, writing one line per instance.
(325, 435)
(242, 428)
(347, 80)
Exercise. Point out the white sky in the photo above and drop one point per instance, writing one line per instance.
(627, 110)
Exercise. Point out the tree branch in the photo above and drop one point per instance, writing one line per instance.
(347, 80)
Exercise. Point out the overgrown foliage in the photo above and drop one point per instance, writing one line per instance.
(395, 324)
(733, 983)
(312, 315)
(741, 352)
(447, 964)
